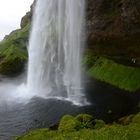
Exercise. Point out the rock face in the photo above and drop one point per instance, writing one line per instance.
(28, 17)
(113, 26)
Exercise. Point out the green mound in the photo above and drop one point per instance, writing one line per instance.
(68, 130)
(13, 53)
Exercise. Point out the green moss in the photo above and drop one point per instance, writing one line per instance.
(126, 120)
(35, 134)
(13, 60)
(85, 121)
(18, 34)
(99, 124)
(107, 133)
(136, 119)
(82, 121)
(13, 53)
(89, 58)
(124, 77)
(68, 123)
(102, 132)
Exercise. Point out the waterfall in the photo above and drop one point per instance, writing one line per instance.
(54, 68)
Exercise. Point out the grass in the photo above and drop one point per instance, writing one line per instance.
(13, 53)
(106, 132)
(124, 77)
(13, 60)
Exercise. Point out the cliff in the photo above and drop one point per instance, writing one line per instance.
(114, 27)
(112, 31)
(13, 49)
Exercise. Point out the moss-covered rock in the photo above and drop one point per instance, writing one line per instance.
(13, 51)
(100, 132)
(82, 121)
(13, 60)
(69, 123)
(85, 121)
(26, 19)
(126, 120)
(89, 58)
(99, 124)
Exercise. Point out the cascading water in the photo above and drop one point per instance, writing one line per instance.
(55, 50)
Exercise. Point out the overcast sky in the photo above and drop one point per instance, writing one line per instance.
(11, 12)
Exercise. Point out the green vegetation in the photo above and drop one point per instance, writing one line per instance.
(89, 58)
(99, 124)
(69, 123)
(124, 77)
(13, 60)
(82, 121)
(115, 131)
(86, 121)
(13, 53)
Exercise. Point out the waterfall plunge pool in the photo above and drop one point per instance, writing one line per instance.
(107, 103)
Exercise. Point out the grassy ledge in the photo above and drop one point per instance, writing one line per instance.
(124, 77)
(84, 127)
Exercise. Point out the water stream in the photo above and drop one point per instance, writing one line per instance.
(55, 50)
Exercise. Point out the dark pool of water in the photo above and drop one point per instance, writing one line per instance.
(107, 102)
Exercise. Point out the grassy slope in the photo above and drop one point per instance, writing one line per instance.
(122, 76)
(13, 53)
(106, 132)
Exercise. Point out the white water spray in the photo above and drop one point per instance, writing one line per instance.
(55, 50)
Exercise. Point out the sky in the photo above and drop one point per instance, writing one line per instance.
(11, 12)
